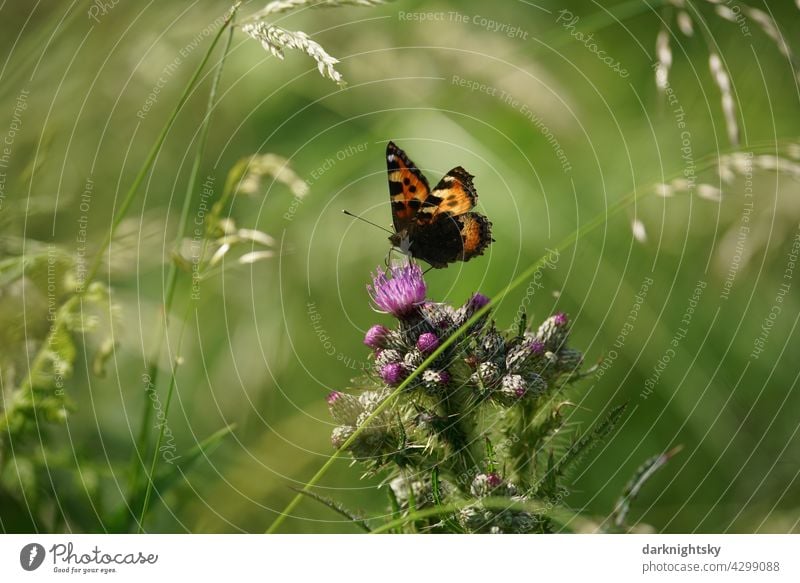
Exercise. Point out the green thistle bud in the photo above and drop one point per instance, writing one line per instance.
(413, 359)
(341, 434)
(344, 408)
(485, 484)
(536, 384)
(553, 332)
(569, 360)
(492, 347)
(440, 317)
(422, 489)
(517, 356)
(488, 375)
(513, 388)
(394, 340)
(388, 356)
(369, 400)
(434, 380)
(475, 518)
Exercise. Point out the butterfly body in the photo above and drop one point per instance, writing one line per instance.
(434, 225)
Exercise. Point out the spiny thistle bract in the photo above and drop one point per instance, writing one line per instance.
(472, 433)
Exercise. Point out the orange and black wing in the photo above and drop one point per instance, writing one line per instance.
(454, 195)
(408, 188)
(451, 238)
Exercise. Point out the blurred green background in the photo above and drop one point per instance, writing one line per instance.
(252, 354)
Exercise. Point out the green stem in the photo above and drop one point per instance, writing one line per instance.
(163, 425)
(172, 278)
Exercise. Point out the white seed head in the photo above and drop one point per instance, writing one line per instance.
(685, 23)
(639, 231)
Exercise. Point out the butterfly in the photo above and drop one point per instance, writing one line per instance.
(436, 225)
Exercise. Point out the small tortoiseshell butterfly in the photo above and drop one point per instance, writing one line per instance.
(434, 225)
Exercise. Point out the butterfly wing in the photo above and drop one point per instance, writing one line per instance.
(452, 238)
(408, 188)
(454, 195)
(436, 225)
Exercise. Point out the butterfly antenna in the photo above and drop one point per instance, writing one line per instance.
(348, 213)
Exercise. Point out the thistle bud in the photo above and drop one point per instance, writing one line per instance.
(492, 347)
(344, 408)
(341, 434)
(435, 379)
(377, 336)
(488, 375)
(439, 316)
(387, 357)
(536, 384)
(485, 484)
(512, 388)
(554, 331)
(517, 357)
(427, 342)
(393, 373)
(465, 312)
(569, 360)
(413, 359)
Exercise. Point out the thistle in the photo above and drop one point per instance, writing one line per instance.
(475, 427)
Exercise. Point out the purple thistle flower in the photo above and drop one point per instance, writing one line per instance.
(376, 337)
(483, 484)
(427, 342)
(560, 319)
(401, 292)
(493, 480)
(537, 347)
(473, 304)
(333, 397)
(476, 302)
(393, 373)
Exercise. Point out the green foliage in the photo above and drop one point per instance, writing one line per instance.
(78, 423)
